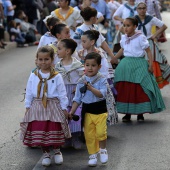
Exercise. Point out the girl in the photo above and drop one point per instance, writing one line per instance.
(46, 101)
(68, 15)
(71, 70)
(90, 15)
(138, 92)
(48, 38)
(60, 31)
(125, 10)
(146, 22)
(94, 110)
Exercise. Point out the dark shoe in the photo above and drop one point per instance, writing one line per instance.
(126, 118)
(140, 118)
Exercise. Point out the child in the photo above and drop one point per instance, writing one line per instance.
(138, 92)
(88, 40)
(48, 38)
(46, 101)
(89, 15)
(60, 31)
(94, 110)
(71, 70)
(15, 33)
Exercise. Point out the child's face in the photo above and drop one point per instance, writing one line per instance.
(61, 50)
(91, 67)
(86, 42)
(129, 28)
(65, 33)
(44, 61)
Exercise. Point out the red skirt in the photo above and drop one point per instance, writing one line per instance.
(44, 133)
(132, 99)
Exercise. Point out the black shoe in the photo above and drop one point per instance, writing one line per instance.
(140, 118)
(126, 118)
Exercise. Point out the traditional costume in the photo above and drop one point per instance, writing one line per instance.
(138, 92)
(44, 124)
(160, 63)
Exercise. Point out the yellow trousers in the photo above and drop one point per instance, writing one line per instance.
(95, 130)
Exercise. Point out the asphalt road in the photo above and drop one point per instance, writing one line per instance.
(132, 146)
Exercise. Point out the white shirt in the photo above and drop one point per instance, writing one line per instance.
(84, 28)
(136, 47)
(56, 89)
(46, 39)
(123, 12)
(72, 20)
(113, 6)
(154, 22)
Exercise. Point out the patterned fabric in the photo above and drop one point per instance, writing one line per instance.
(66, 74)
(160, 58)
(52, 112)
(135, 70)
(128, 39)
(44, 133)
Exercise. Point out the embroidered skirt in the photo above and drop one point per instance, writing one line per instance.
(44, 126)
(137, 89)
(160, 65)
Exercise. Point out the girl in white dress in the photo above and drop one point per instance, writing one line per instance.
(45, 121)
(71, 70)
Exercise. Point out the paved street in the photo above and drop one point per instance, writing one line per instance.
(132, 146)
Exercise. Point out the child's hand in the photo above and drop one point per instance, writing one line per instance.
(114, 60)
(89, 86)
(150, 69)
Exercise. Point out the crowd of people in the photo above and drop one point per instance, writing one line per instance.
(95, 59)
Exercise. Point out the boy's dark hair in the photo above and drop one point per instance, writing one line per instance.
(88, 12)
(46, 49)
(69, 44)
(92, 34)
(133, 20)
(95, 56)
(57, 29)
